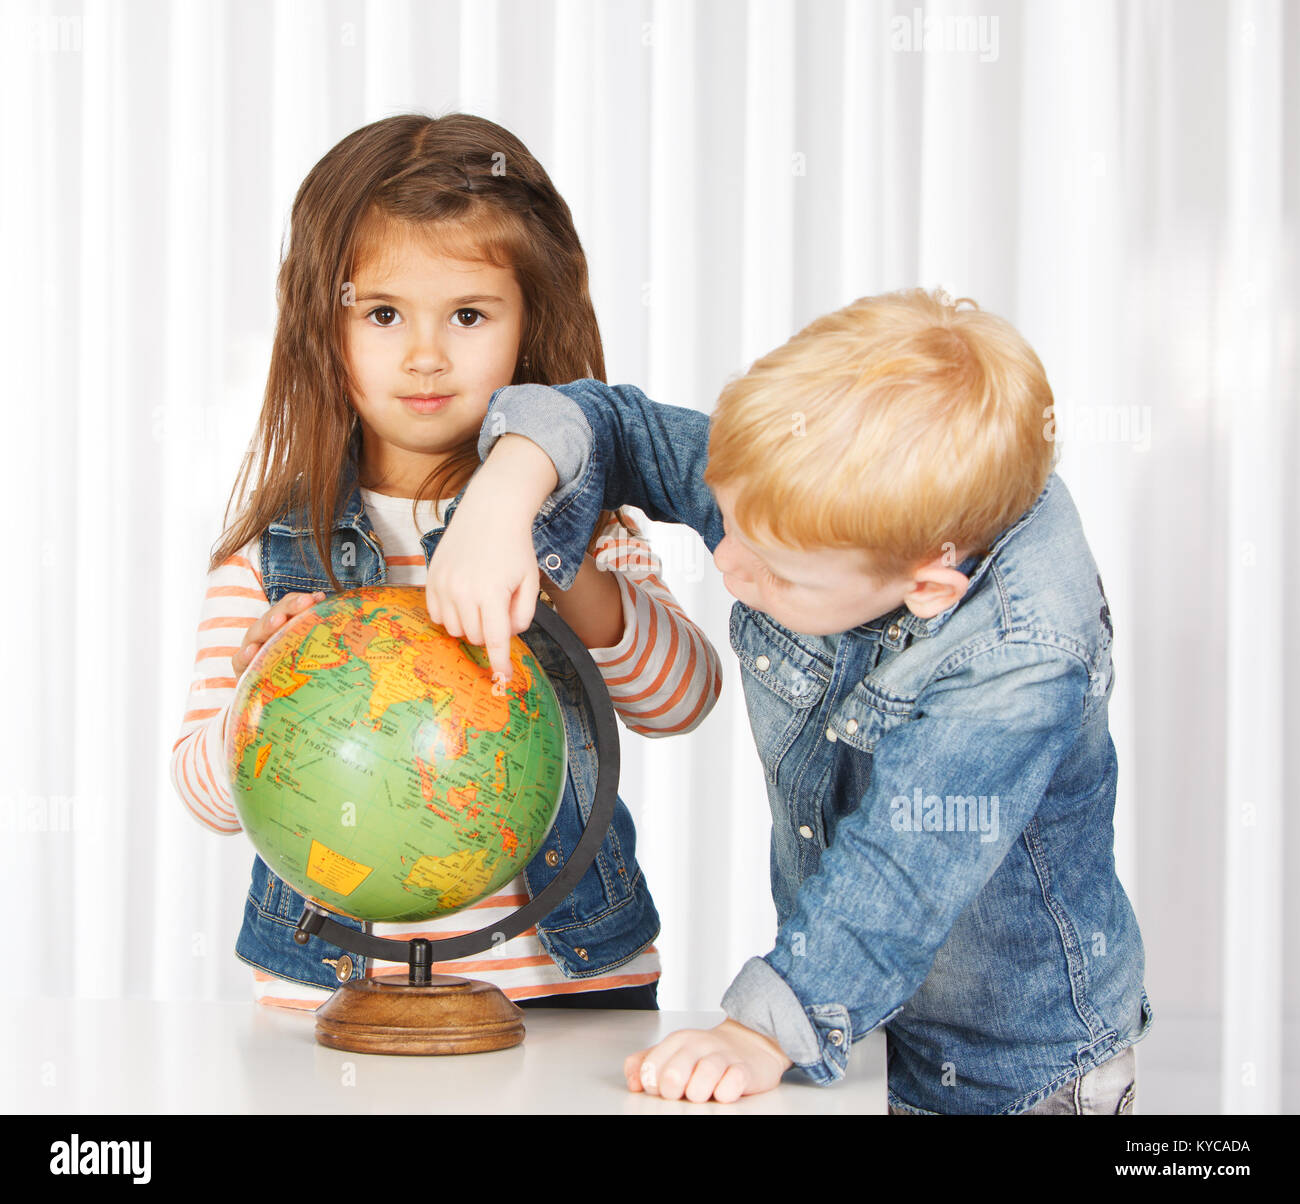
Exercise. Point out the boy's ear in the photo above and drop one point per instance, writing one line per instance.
(935, 587)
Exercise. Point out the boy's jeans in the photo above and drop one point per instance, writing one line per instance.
(1108, 1090)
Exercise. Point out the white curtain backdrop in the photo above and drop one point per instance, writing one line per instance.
(1120, 180)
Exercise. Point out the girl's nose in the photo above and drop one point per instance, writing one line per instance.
(427, 354)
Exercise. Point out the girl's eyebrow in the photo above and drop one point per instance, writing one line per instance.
(402, 300)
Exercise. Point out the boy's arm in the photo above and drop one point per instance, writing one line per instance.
(569, 453)
(866, 927)
(611, 446)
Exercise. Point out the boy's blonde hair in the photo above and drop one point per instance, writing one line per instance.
(906, 425)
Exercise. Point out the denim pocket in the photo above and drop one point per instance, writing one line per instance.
(867, 713)
(784, 679)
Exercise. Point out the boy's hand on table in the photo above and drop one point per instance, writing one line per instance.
(721, 1063)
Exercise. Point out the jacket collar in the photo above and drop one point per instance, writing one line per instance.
(349, 512)
(894, 629)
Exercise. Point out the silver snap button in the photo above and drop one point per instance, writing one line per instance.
(830, 735)
(835, 1037)
(763, 664)
(851, 726)
(552, 561)
(552, 858)
(894, 631)
(805, 831)
(343, 968)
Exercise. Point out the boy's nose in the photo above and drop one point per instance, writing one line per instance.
(727, 560)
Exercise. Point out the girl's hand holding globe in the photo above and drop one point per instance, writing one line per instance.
(265, 627)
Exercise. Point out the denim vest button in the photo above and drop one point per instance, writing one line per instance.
(851, 726)
(552, 858)
(762, 664)
(830, 735)
(343, 968)
(835, 1037)
(552, 562)
(894, 631)
(580, 951)
(805, 831)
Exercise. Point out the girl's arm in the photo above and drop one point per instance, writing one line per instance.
(592, 606)
(662, 673)
(233, 602)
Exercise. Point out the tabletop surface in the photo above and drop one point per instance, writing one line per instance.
(125, 1056)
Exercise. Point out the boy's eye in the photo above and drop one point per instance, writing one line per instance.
(467, 317)
(384, 309)
(773, 579)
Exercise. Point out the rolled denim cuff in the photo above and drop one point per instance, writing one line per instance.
(568, 518)
(816, 1039)
(555, 423)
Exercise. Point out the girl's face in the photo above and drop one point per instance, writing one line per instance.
(428, 341)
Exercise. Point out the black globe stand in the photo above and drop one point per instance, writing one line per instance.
(419, 1012)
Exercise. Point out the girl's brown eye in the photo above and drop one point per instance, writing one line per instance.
(383, 309)
(467, 317)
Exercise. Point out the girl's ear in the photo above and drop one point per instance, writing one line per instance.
(935, 587)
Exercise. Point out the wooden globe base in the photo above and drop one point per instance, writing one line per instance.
(448, 1015)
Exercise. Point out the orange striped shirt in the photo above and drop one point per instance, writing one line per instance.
(663, 677)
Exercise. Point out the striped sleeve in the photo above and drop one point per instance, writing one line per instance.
(233, 602)
(664, 675)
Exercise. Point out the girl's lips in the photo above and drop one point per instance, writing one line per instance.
(427, 405)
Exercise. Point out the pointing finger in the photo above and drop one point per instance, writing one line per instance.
(496, 639)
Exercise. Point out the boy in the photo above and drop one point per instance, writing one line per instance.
(925, 648)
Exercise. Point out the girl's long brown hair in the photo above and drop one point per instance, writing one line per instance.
(475, 188)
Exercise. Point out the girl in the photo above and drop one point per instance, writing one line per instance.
(431, 262)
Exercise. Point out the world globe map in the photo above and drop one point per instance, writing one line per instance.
(378, 771)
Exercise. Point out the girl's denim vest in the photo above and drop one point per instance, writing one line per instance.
(608, 918)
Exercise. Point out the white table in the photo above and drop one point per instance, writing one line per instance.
(140, 1056)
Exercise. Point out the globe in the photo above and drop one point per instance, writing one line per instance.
(377, 769)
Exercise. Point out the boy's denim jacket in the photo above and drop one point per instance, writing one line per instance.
(941, 790)
(609, 916)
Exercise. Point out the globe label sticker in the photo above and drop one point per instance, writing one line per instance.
(334, 871)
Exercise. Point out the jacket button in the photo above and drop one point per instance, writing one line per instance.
(835, 1037)
(343, 968)
(763, 664)
(552, 562)
(805, 831)
(581, 952)
(830, 735)
(894, 631)
(552, 858)
(851, 726)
